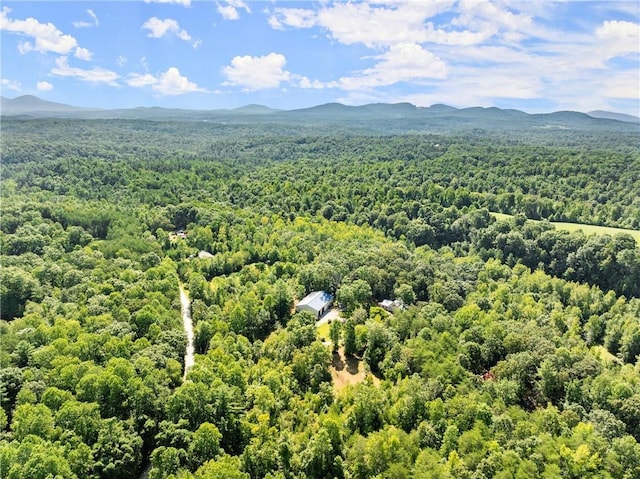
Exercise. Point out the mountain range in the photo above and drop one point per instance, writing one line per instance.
(376, 116)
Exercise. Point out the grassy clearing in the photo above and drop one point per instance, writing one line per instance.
(323, 332)
(586, 228)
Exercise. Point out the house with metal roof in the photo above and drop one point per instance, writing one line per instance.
(390, 305)
(317, 303)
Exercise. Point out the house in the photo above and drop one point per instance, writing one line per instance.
(390, 305)
(317, 303)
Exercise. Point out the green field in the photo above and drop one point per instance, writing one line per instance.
(586, 228)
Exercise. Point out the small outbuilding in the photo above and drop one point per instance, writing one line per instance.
(390, 305)
(317, 303)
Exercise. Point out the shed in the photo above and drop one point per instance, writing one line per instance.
(390, 305)
(317, 303)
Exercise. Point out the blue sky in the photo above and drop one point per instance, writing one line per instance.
(534, 55)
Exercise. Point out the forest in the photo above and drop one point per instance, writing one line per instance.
(516, 354)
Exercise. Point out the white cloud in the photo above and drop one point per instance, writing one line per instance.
(121, 60)
(83, 24)
(93, 15)
(374, 25)
(619, 37)
(454, 37)
(138, 80)
(577, 56)
(46, 37)
(256, 73)
(292, 17)
(159, 28)
(405, 62)
(229, 10)
(383, 24)
(478, 52)
(172, 83)
(11, 84)
(304, 82)
(489, 15)
(379, 26)
(44, 86)
(401, 31)
(185, 3)
(169, 83)
(622, 85)
(83, 54)
(497, 83)
(95, 75)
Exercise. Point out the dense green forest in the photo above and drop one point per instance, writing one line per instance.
(516, 355)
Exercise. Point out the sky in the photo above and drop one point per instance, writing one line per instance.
(532, 55)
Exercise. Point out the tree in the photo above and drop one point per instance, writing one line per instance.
(379, 341)
(226, 467)
(365, 414)
(310, 366)
(190, 402)
(205, 444)
(35, 419)
(37, 459)
(353, 295)
(283, 301)
(204, 331)
(81, 418)
(334, 334)
(318, 457)
(405, 293)
(349, 337)
(630, 343)
(449, 440)
(11, 380)
(118, 450)
(17, 287)
(165, 462)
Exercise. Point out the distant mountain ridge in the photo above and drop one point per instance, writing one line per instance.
(397, 117)
(27, 104)
(609, 115)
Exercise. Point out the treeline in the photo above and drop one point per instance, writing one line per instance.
(165, 162)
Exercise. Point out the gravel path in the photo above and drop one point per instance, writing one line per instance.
(188, 328)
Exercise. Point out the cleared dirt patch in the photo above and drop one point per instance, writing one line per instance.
(348, 371)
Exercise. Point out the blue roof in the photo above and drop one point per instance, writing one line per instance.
(316, 300)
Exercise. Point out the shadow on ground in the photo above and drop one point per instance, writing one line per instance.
(350, 363)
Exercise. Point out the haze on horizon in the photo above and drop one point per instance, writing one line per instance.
(532, 56)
